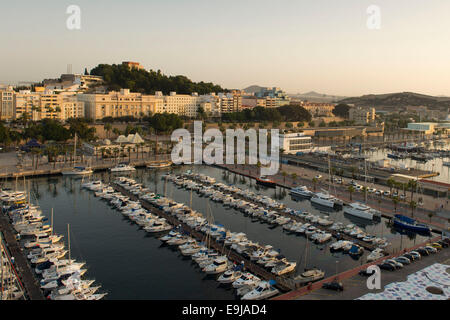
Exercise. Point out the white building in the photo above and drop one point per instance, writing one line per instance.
(295, 142)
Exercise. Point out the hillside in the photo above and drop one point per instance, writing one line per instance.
(254, 89)
(401, 99)
(316, 97)
(120, 76)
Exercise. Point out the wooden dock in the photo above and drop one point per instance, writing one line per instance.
(281, 282)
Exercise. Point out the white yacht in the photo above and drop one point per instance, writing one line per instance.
(122, 167)
(376, 254)
(264, 290)
(324, 199)
(301, 191)
(361, 210)
(309, 276)
(159, 164)
(78, 171)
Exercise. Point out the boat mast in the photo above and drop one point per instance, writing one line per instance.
(52, 222)
(68, 237)
(365, 180)
(1, 265)
(75, 149)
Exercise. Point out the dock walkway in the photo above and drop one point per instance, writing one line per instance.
(22, 268)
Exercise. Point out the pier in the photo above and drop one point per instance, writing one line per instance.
(281, 282)
(21, 267)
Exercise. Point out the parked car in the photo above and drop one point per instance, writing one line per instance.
(378, 192)
(372, 190)
(416, 255)
(318, 176)
(403, 260)
(386, 193)
(410, 257)
(436, 245)
(365, 273)
(423, 252)
(337, 286)
(443, 243)
(431, 249)
(396, 264)
(402, 197)
(386, 266)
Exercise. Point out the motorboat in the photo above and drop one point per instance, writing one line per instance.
(263, 180)
(122, 167)
(246, 279)
(324, 199)
(361, 210)
(78, 171)
(411, 224)
(301, 191)
(219, 265)
(309, 276)
(159, 164)
(229, 276)
(376, 254)
(264, 290)
(283, 268)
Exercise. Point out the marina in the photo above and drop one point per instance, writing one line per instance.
(133, 250)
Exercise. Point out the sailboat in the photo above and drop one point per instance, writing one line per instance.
(324, 198)
(362, 210)
(77, 171)
(309, 275)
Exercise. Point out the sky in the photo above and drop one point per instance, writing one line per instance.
(298, 45)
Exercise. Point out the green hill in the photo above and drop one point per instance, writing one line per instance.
(143, 81)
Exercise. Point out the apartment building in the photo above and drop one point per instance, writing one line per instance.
(6, 103)
(362, 116)
(230, 102)
(318, 109)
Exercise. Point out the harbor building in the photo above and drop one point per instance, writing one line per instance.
(295, 142)
(428, 128)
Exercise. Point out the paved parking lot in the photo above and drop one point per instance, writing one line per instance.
(356, 286)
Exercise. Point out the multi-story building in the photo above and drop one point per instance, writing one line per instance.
(230, 102)
(295, 142)
(133, 65)
(181, 104)
(26, 102)
(119, 104)
(318, 109)
(362, 116)
(7, 103)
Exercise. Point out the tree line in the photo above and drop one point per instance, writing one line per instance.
(147, 82)
(284, 113)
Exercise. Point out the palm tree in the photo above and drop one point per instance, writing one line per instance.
(294, 178)
(395, 201)
(412, 205)
(350, 189)
(102, 150)
(364, 189)
(284, 174)
(390, 182)
(258, 165)
(129, 153)
(412, 185)
(430, 215)
(314, 181)
(108, 128)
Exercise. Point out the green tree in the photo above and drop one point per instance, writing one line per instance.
(351, 190)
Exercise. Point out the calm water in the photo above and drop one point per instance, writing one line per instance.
(129, 264)
(435, 165)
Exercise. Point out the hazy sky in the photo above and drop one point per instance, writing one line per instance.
(299, 45)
